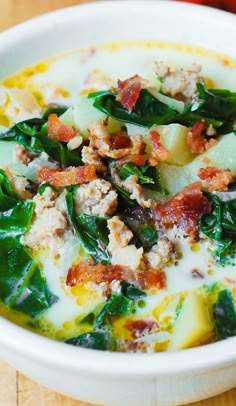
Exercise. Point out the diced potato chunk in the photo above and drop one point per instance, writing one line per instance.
(222, 156)
(193, 324)
(174, 177)
(6, 153)
(174, 139)
(127, 256)
(83, 113)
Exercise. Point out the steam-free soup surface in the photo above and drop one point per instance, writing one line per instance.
(118, 207)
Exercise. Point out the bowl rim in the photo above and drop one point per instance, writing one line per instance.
(69, 357)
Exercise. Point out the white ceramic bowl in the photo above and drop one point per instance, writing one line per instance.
(118, 379)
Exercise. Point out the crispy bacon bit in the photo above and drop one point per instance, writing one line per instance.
(159, 153)
(59, 131)
(128, 91)
(138, 145)
(152, 278)
(85, 272)
(217, 179)
(69, 176)
(138, 160)
(98, 273)
(140, 328)
(230, 280)
(120, 140)
(196, 274)
(184, 209)
(196, 140)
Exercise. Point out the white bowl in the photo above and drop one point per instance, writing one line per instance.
(119, 379)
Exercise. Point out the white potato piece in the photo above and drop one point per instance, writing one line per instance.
(6, 153)
(174, 177)
(83, 113)
(222, 156)
(193, 324)
(174, 139)
(128, 256)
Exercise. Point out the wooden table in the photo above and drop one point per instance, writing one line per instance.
(15, 388)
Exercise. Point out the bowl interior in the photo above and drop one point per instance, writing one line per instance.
(92, 24)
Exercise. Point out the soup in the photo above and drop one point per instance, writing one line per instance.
(117, 197)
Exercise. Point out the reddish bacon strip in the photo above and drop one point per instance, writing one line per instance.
(196, 140)
(128, 91)
(140, 328)
(152, 278)
(217, 179)
(69, 176)
(159, 153)
(59, 131)
(136, 159)
(121, 140)
(98, 273)
(184, 209)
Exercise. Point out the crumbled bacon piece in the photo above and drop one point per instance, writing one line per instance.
(132, 346)
(69, 176)
(196, 140)
(196, 274)
(59, 131)
(140, 328)
(138, 160)
(98, 273)
(152, 278)
(184, 209)
(120, 140)
(138, 145)
(85, 271)
(128, 91)
(159, 153)
(217, 179)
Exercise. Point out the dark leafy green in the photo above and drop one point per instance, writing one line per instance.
(131, 291)
(157, 185)
(101, 338)
(220, 223)
(148, 110)
(92, 231)
(124, 199)
(149, 176)
(32, 135)
(88, 319)
(44, 186)
(5, 186)
(97, 340)
(224, 315)
(131, 169)
(217, 103)
(15, 215)
(54, 110)
(117, 305)
(141, 223)
(16, 220)
(22, 286)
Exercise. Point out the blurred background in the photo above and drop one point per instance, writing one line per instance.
(15, 11)
(228, 5)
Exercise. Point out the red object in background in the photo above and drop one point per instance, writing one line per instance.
(229, 5)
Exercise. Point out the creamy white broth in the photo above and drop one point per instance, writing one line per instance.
(60, 80)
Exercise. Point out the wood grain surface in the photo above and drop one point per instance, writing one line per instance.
(15, 388)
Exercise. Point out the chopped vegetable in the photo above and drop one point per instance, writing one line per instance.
(224, 315)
